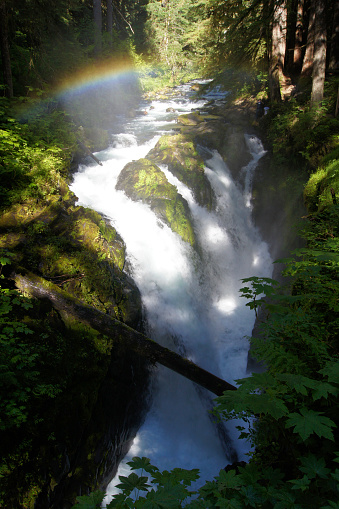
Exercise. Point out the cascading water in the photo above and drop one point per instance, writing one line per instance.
(191, 301)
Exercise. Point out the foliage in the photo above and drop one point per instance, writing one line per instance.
(298, 132)
(175, 32)
(237, 34)
(33, 155)
(323, 183)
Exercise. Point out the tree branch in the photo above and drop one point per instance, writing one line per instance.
(39, 288)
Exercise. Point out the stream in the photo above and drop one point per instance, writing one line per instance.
(191, 302)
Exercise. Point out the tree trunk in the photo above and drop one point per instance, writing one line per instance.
(319, 61)
(334, 42)
(97, 15)
(309, 52)
(110, 21)
(290, 34)
(39, 288)
(88, 152)
(5, 54)
(298, 43)
(278, 49)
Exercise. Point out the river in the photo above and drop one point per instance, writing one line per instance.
(191, 302)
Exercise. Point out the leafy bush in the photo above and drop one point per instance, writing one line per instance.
(33, 155)
(323, 183)
(298, 134)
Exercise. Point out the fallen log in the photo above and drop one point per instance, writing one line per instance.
(88, 152)
(39, 288)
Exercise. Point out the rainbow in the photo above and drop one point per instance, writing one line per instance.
(90, 77)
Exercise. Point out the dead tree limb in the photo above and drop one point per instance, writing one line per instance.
(88, 152)
(39, 288)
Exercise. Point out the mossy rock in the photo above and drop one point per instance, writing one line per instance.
(210, 134)
(179, 153)
(75, 248)
(190, 119)
(143, 181)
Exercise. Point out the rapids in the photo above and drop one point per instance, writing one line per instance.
(191, 302)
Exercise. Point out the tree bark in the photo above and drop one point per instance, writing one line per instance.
(5, 53)
(88, 152)
(278, 49)
(110, 21)
(41, 289)
(319, 60)
(334, 42)
(309, 52)
(97, 15)
(298, 52)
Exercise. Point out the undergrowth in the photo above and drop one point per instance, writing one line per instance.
(35, 153)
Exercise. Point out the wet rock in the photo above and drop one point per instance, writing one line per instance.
(143, 180)
(181, 156)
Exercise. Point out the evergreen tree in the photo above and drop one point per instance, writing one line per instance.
(319, 61)
(5, 53)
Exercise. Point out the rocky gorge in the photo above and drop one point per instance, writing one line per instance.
(102, 387)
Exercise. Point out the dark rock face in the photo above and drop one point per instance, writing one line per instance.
(91, 459)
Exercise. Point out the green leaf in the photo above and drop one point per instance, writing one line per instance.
(332, 505)
(252, 496)
(142, 463)
(228, 480)
(167, 497)
(120, 501)
(335, 475)
(300, 484)
(314, 466)
(301, 383)
(175, 476)
(232, 503)
(331, 370)
(133, 481)
(286, 501)
(308, 421)
(92, 501)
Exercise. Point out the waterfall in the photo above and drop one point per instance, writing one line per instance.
(191, 301)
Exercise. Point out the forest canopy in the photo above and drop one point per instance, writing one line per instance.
(294, 41)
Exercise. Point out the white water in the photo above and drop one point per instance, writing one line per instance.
(192, 303)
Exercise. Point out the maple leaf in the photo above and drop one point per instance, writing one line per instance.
(307, 422)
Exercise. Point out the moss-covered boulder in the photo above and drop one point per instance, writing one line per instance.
(190, 119)
(75, 248)
(143, 181)
(179, 153)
